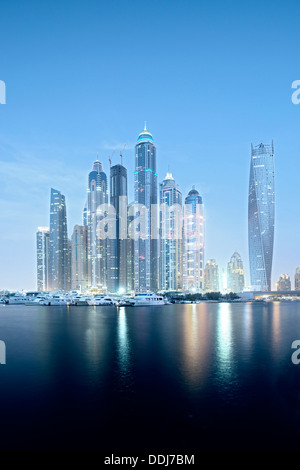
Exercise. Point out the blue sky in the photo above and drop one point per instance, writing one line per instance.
(209, 77)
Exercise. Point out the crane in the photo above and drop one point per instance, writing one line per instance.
(121, 154)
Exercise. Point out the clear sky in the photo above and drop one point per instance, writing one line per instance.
(210, 77)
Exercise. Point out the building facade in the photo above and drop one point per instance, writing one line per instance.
(235, 274)
(193, 242)
(117, 247)
(297, 279)
(130, 247)
(284, 283)
(171, 274)
(59, 263)
(42, 251)
(97, 200)
(261, 209)
(211, 276)
(79, 257)
(146, 243)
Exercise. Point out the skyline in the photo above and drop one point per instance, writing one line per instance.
(85, 90)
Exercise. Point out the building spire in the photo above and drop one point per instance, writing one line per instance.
(145, 128)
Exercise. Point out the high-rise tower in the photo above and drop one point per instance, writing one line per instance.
(59, 273)
(193, 241)
(146, 244)
(235, 274)
(79, 257)
(42, 251)
(170, 235)
(117, 247)
(261, 208)
(211, 276)
(97, 196)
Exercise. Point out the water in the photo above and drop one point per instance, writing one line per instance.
(206, 376)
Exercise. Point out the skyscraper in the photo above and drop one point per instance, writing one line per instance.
(261, 206)
(117, 247)
(147, 238)
(84, 215)
(284, 283)
(42, 251)
(170, 235)
(97, 196)
(80, 257)
(130, 247)
(211, 276)
(59, 274)
(297, 279)
(235, 274)
(193, 241)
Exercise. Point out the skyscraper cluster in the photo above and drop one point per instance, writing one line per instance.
(155, 242)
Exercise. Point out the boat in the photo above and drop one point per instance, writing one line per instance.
(55, 300)
(80, 300)
(17, 299)
(125, 303)
(147, 299)
(101, 300)
(36, 300)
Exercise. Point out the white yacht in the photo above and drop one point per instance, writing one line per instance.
(80, 300)
(17, 299)
(101, 300)
(36, 300)
(56, 300)
(149, 298)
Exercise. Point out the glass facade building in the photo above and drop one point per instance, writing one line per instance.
(59, 262)
(261, 209)
(42, 251)
(170, 235)
(117, 247)
(146, 243)
(297, 279)
(97, 196)
(211, 276)
(235, 274)
(79, 256)
(193, 241)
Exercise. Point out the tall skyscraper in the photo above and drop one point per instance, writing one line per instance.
(170, 235)
(284, 283)
(80, 257)
(261, 208)
(117, 247)
(193, 241)
(130, 247)
(97, 196)
(211, 276)
(59, 274)
(297, 279)
(42, 251)
(235, 274)
(84, 215)
(146, 269)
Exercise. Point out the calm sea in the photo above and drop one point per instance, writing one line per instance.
(206, 376)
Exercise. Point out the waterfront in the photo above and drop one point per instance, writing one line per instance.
(194, 376)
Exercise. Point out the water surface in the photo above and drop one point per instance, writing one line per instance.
(182, 377)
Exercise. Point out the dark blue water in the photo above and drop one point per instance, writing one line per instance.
(206, 376)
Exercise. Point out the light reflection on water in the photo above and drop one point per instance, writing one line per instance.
(217, 366)
(123, 343)
(224, 340)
